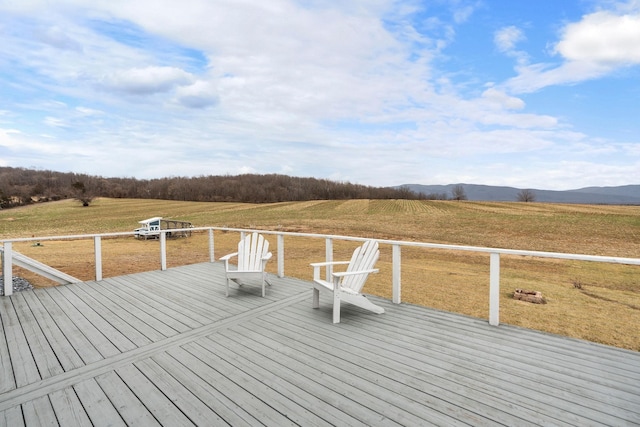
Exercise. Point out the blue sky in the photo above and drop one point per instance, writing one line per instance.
(533, 94)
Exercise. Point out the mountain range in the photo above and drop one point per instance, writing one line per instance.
(621, 195)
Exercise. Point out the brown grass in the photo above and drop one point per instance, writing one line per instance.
(605, 308)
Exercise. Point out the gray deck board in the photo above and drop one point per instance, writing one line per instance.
(192, 308)
(129, 305)
(194, 408)
(481, 385)
(343, 391)
(159, 405)
(12, 417)
(163, 316)
(135, 328)
(97, 405)
(260, 383)
(168, 348)
(39, 412)
(161, 306)
(130, 408)
(417, 373)
(25, 370)
(139, 333)
(382, 378)
(68, 409)
(226, 382)
(83, 319)
(6, 369)
(182, 366)
(577, 393)
(64, 351)
(46, 360)
(73, 334)
(110, 332)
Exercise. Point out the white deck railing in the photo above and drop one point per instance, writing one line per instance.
(494, 263)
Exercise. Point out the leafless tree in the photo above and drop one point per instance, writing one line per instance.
(458, 193)
(81, 193)
(526, 196)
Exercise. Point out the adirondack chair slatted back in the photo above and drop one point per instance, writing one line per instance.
(364, 258)
(251, 250)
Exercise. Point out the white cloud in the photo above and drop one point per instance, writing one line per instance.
(503, 100)
(463, 13)
(507, 38)
(59, 38)
(84, 111)
(604, 38)
(18, 145)
(280, 86)
(593, 47)
(600, 174)
(200, 94)
(5, 134)
(147, 80)
(55, 122)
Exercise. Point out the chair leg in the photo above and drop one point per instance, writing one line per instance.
(316, 298)
(263, 281)
(227, 287)
(336, 307)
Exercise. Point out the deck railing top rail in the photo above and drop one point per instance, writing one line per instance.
(494, 270)
(480, 249)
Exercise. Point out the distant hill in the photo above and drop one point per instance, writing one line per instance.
(622, 195)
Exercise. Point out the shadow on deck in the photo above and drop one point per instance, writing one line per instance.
(167, 348)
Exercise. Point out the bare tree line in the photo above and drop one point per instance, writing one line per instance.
(21, 186)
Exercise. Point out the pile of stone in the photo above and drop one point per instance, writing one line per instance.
(529, 296)
(19, 284)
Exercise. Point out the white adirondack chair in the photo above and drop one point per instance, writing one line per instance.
(253, 254)
(346, 286)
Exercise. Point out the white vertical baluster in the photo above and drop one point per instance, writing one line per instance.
(7, 269)
(494, 289)
(97, 245)
(396, 278)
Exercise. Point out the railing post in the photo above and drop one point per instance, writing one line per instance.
(396, 275)
(7, 271)
(280, 241)
(97, 245)
(328, 251)
(212, 257)
(494, 289)
(163, 251)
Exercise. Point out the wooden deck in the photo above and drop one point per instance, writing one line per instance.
(167, 348)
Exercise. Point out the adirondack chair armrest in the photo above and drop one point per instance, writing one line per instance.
(353, 273)
(317, 265)
(266, 259)
(339, 275)
(324, 264)
(336, 279)
(226, 259)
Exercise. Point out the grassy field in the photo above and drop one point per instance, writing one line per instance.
(593, 301)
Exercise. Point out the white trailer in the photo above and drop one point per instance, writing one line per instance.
(151, 228)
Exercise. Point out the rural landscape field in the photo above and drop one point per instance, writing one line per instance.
(593, 301)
